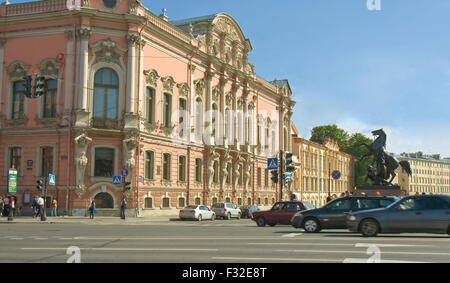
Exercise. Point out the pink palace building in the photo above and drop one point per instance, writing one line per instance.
(176, 103)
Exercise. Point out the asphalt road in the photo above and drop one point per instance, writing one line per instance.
(232, 241)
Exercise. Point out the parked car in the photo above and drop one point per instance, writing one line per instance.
(197, 212)
(413, 214)
(226, 210)
(333, 215)
(281, 213)
(247, 210)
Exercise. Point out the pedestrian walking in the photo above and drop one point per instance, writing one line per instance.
(34, 206)
(1, 206)
(92, 210)
(40, 206)
(54, 208)
(123, 207)
(6, 202)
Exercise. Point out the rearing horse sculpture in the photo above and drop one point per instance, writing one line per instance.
(386, 164)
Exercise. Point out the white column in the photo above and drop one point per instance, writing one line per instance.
(84, 34)
(68, 75)
(131, 73)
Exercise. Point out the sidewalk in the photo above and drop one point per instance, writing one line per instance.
(86, 220)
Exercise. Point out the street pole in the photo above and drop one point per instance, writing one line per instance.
(281, 178)
(329, 179)
(43, 211)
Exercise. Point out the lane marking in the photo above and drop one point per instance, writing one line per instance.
(336, 244)
(291, 235)
(362, 260)
(126, 249)
(358, 252)
(276, 259)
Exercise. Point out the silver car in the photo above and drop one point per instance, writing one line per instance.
(413, 214)
(226, 210)
(197, 212)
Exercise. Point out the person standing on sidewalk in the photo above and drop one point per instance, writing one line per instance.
(123, 207)
(1, 206)
(54, 205)
(6, 206)
(92, 210)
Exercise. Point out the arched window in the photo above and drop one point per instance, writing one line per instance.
(198, 118)
(51, 88)
(106, 94)
(104, 200)
(18, 100)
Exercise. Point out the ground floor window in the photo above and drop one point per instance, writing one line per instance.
(239, 201)
(197, 201)
(165, 202)
(148, 203)
(214, 200)
(227, 199)
(181, 202)
(249, 201)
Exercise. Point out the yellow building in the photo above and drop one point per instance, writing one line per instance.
(315, 163)
(430, 174)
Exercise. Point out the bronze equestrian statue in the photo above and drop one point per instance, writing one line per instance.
(386, 164)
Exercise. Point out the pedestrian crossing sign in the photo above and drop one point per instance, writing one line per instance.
(51, 179)
(272, 164)
(117, 180)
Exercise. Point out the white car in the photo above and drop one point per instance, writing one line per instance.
(226, 210)
(197, 212)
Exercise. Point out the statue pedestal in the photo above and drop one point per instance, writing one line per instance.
(374, 190)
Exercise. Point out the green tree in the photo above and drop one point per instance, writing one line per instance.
(347, 143)
(319, 133)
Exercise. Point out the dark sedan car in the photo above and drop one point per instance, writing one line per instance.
(333, 215)
(414, 214)
(247, 210)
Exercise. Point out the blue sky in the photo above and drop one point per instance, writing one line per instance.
(349, 66)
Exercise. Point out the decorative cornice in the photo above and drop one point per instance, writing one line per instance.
(49, 67)
(168, 84)
(151, 77)
(183, 90)
(18, 69)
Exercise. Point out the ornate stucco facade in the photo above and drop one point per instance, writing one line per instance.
(315, 162)
(118, 80)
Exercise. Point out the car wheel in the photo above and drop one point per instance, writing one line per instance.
(261, 221)
(311, 225)
(200, 218)
(369, 228)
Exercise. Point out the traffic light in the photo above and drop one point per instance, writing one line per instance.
(40, 184)
(40, 86)
(127, 186)
(28, 86)
(289, 163)
(274, 177)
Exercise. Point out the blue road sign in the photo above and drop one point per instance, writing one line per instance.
(336, 174)
(124, 172)
(287, 176)
(117, 180)
(51, 179)
(272, 164)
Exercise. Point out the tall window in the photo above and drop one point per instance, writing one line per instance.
(259, 176)
(51, 88)
(150, 105)
(15, 158)
(182, 168)
(149, 165)
(216, 172)
(198, 118)
(266, 178)
(47, 161)
(106, 92)
(198, 170)
(166, 166)
(18, 100)
(182, 109)
(167, 110)
(104, 158)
